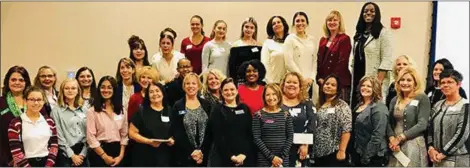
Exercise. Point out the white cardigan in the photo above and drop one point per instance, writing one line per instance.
(272, 56)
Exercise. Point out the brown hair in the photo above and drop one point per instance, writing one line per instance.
(277, 91)
(303, 95)
(376, 89)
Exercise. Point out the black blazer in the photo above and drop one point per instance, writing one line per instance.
(137, 89)
(238, 55)
(183, 148)
(175, 91)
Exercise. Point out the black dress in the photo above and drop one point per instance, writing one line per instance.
(151, 124)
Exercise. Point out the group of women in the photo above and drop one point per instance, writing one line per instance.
(220, 104)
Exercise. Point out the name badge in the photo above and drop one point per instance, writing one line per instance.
(81, 115)
(182, 112)
(237, 112)
(222, 49)
(330, 110)
(268, 121)
(165, 119)
(118, 117)
(189, 47)
(414, 102)
(254, 49)
(294, 112)
(429, 94)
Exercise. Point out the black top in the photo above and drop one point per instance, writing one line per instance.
(359, 64)
(232, 134)
(120, 87)
(238, 55)
(151, 124)
(183, 148)
(175, 91)
(435, 94)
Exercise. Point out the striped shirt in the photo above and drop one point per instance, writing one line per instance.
(273, 135)
(17, 144)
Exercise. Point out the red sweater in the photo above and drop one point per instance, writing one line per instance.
(134, 102)
(335, 60)
(193, 52)
(252, 98)
(16, 145)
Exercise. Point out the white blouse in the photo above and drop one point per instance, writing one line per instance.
(167, 70)
(272, 56)
(35, 136)
(300, 55)
(215, 55)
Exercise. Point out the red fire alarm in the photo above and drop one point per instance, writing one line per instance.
(395, 22)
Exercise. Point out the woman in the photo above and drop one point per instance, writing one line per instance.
(333, 53)
(150, 128)
(12, 105)
(409, 116)
(211, 85)
(449, 125)
(106, 132)
(138, 51)
(296, 102)
(334, 126)
(372, 44)
(158, 55)
(272, 130)
(401, 62)
(299, 52)
(46, 79)
(70, 118)
(145, 75)
(251, 90)
(433, 91)
(370, 120)
(32, 136)
(192, 46)
(216, 52)
(126, 82)
(244, 49)
(231, 127)
(190, 127)
(167, 64)
(87, 81)
(272, 53)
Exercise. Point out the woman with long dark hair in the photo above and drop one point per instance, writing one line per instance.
(87, 81)
(138, 51)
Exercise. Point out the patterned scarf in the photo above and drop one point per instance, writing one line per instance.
(15, 110)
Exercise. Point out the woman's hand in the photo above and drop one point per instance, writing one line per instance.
(117, 160)
(171, 143)
(108, 159)
(277, 161)
(76, 160)
(341, 155)
(303, 152)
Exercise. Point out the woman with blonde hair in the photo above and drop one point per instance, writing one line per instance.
(370, 117)
(409, 116)
(333, 53)
(211, 81)
(46, 79)
(145, 76)
(400, 63)
(216, 52)
(295, 101)
(70, 118)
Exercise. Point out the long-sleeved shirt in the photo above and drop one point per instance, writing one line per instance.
(25, 145)
(134, 103)
(273, 134)
(101, 127)
(193, 52)
(450, 128)
(215, 55)
(300, 55)
(166, 69)
(334, 58)
(272, 56)
(71, 128)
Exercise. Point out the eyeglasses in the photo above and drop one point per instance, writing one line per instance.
(187, 67)
(448, 82)
(35, 100)
(47, 76)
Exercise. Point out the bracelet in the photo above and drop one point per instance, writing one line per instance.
(102, 154)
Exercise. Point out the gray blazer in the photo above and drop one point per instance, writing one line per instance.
(416, 117)
(370, 130)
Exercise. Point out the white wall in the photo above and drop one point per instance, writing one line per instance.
(452, 36)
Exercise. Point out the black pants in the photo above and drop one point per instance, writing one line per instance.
(112, 149)
(37, 162)
(64, 161)
(375, 161)
(331, 161)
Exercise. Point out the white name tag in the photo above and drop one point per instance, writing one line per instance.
(237, 112)
(118, 117)
(330, 110)
(189, 47)
(81, 115)
(182, 112)
(414, 102)
(452, 109)
(165, 119)
(303, 138)
(254, 49)
(429, 94)
(222, 49)
(294, 112)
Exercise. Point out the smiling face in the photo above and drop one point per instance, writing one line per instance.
(126, 71)
(333, 23)
(196, 26)
(366, 89)
(138, 53)
(47, 78)
(144, 80)
(248, 29)
(449, 86)
(407, 83)
(300, 23)
(166, 45)
(229, 92)
(369, 13)
(213, 82)
(16, 83)
(106, 90)
(252, 74)
(330, 87)
(402, 63)
(85, 78)
(272, 100)
(437, 70)
(220, 30)
(291, 87)
(70, 90)
(191, 85)
(278, 27)
(155, 94)
(35, 101)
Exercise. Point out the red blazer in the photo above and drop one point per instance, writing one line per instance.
(335, 60)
